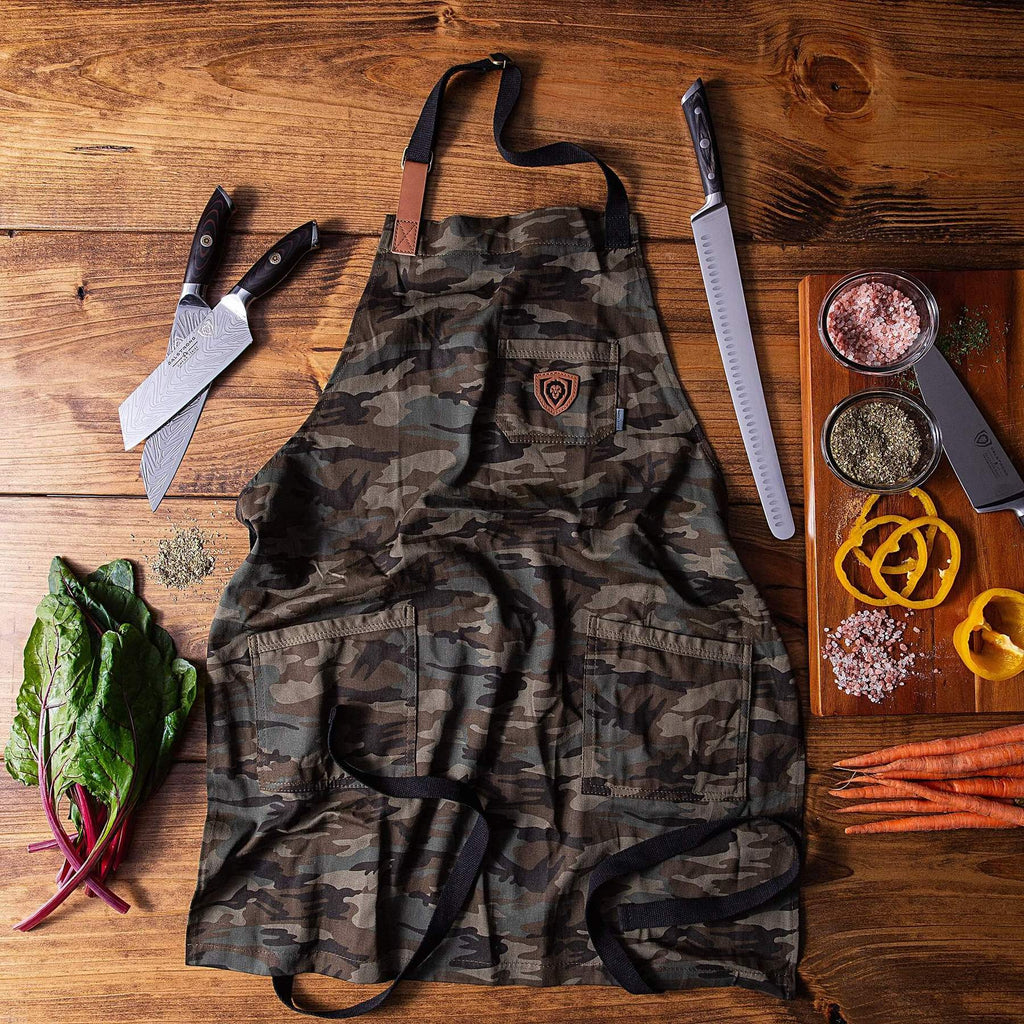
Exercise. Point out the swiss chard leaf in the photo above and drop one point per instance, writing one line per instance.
(58, 682)
(177, 696)
(119, 572)
(116, 742)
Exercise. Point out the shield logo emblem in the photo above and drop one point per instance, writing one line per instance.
(555, 390)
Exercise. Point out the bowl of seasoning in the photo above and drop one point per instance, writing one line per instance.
(878, 322)
(881, 440)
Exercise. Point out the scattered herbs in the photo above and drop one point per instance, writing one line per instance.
(104, 698)
(878, 444)
(182, 560)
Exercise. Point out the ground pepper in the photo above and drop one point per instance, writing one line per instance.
(877, 444)
(182, 559)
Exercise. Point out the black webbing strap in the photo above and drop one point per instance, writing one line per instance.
(454, 891)
(618, 234)
(676, 911)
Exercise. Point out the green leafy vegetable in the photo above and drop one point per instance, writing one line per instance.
(102, 703)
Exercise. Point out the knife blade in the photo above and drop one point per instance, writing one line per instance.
(716, 251)
(217, 340)
(980, 462)
(165, 448)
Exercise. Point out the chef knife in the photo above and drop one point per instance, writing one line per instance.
(165, 449)
(218, 339)
(716, 250)
(978, 459)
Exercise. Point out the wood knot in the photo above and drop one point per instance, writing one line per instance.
(81, 292)
(834, 83)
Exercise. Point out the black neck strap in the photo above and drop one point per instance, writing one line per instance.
(419, 157)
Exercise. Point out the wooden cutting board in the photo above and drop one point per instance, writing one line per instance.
(993, 544)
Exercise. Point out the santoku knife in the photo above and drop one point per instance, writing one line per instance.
(716, 250)
(218, 339)
(978, 459)
(165, 448)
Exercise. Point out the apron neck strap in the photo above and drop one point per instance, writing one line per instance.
(418, 158)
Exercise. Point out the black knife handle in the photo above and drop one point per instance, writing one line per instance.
(277, 263)
(209, 238)
(702, 132)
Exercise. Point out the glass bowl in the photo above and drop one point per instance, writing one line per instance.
(923, 300)
(928, 427)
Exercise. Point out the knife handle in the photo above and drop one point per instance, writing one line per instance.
(209, 238)
(277, 263)
(702, 132)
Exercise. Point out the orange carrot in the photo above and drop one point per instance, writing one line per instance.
(959, 801)
(1011, 771)
(969, 762)
(951, 745)
(925, 823)
(998, 787)
(892, 807)
(861, 792)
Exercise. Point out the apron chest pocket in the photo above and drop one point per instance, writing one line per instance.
(366, 664)
(561, 392)
(665, 715)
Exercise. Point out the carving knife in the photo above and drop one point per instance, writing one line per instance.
(716, 250)
(981, 465)
(165, 449)
(215, 342)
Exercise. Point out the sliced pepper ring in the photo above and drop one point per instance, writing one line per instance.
(906, 567)
(999, 655)
(892, 542)
(856, 539)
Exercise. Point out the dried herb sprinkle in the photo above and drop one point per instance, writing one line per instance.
(182, 560)
(877, 444)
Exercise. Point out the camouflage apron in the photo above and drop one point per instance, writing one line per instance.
(492, 699)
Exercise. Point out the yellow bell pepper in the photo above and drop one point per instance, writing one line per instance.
(856, 539)
(903, 568)
(892, 543)
(990, 640)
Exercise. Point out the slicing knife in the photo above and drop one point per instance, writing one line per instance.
(213, 344)
(981, 465)
(716, 250)
(165, 448)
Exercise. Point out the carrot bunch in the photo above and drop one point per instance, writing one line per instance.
(974, 781)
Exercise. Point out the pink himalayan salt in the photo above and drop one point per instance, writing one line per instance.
(873, 323)
(867, 654)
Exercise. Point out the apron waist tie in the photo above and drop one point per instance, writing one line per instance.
(678, 910)
(453, 894)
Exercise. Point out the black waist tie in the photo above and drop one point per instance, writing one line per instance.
(678, 910)
(454, 892)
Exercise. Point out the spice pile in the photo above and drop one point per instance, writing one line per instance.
(873, 324)
(868, 655)
(876, 443)
(182, 559)
(974, 781)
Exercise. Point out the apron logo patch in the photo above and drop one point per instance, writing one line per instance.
(555, 390)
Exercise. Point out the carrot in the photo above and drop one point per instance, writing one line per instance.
(996, 787)
(959, 801)
(925, 823)
(951, 745)
(861, 792)
(1011, 771)
(891, 806)
(969, 762)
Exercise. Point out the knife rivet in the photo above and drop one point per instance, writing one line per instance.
(275, 258)
(206, 241)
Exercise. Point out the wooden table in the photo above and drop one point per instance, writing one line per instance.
(875, 134)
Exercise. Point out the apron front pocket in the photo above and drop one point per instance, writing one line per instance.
(366, 664)
(664, 714)
(561, 392)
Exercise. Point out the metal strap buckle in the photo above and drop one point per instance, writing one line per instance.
(498, 61)
(430, 162)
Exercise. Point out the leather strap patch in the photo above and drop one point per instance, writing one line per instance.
(556, 390)
(410, 208)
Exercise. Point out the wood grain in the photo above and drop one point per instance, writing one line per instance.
(835, 123)
(851, 135)
(993, 556)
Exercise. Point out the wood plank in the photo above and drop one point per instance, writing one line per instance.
(836, 124)
(99, 306)
(992, 555)
(87, 316)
